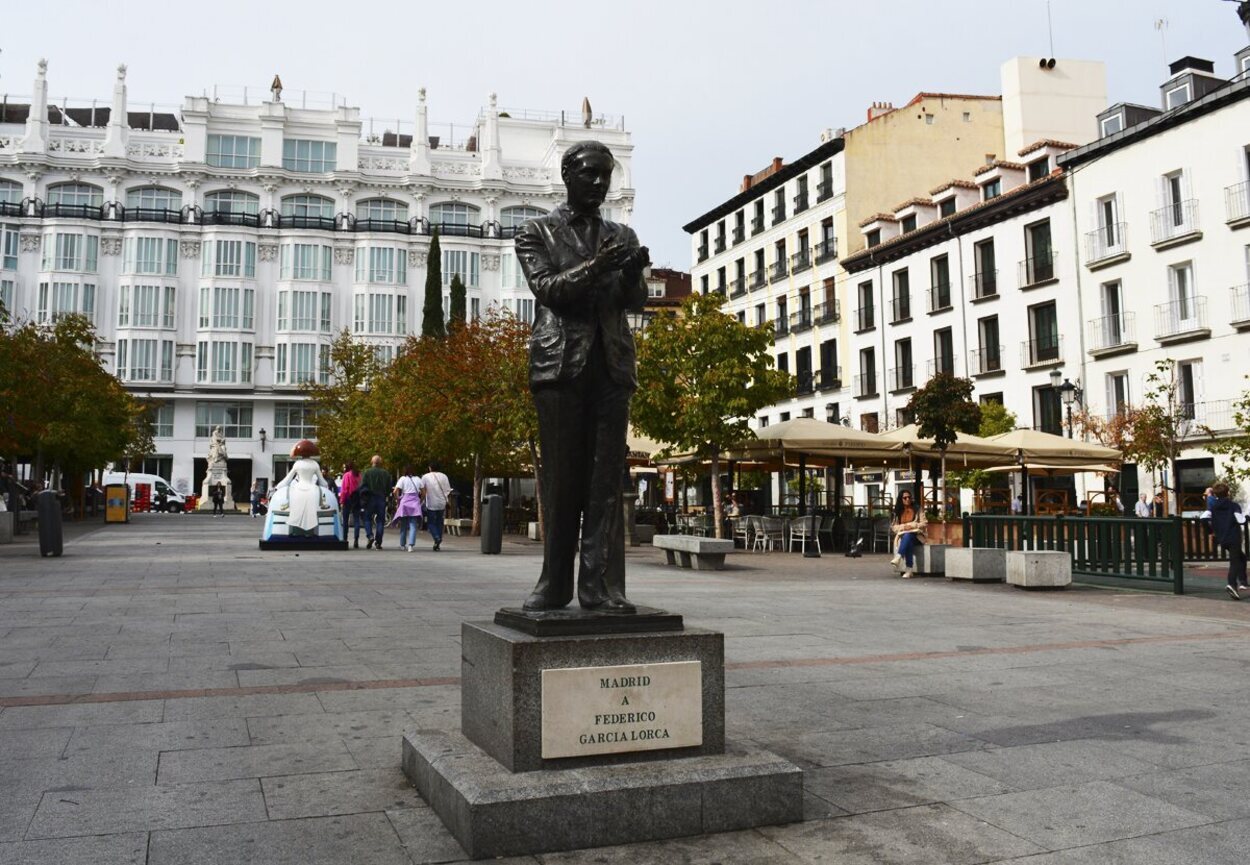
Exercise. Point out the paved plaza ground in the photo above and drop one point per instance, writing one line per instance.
(169, 694)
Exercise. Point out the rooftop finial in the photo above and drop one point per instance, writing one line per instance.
(421, 95)
(494, 100)
(276, 88)
(121, 71)
(43, 67)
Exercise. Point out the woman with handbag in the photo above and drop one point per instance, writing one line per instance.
(349, 501)
(408, 508)
(908, 527)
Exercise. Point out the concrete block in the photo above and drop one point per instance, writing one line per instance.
(1039, 569)
(976, 564)
(501, 687)
(644, 534)
(931, 559)
(532, 531)
(701, 554)
(493, 812)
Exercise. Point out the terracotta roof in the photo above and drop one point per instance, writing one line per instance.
(922, 202)
(997, 201)
(879, 217)
(928, 95)
(1046, 142)
(998, 163)
(964, 184)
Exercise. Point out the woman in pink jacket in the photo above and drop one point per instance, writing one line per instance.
(349, 500)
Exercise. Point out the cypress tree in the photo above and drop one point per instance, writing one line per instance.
(456, 313)
(432, 311)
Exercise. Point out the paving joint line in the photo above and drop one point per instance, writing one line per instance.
(389, 684)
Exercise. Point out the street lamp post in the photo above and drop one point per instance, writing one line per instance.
(1069, 393)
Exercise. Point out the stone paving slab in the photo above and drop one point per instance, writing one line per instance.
(938, 723)
(126, 849)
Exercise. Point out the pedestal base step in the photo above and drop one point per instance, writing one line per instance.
(297, 544)
(493, 812)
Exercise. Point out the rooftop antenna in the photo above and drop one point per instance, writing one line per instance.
(1050, 29)
(1161, 24)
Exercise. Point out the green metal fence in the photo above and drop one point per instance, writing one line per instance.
(1102, 548)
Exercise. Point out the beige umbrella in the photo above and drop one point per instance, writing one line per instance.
(1032, 446)
(814, 438)
(973, 451)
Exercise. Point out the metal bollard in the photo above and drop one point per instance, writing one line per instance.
(48, 507)
(492, 524)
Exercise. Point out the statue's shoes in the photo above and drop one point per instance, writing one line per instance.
(611, 605)
(537, 603)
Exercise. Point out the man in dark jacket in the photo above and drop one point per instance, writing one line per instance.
(1227, 531)
(585, 272)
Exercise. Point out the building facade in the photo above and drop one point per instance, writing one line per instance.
(221, 248)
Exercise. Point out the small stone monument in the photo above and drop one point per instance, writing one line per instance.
(218, 471)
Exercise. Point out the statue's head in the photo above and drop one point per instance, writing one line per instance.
(305, 449)
(586, 170)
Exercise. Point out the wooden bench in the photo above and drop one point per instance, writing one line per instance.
(701, 554)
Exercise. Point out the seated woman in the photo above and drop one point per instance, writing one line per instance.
(908, 522)
(303, 495)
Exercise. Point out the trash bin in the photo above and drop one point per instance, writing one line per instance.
(492, 523)
(48, 509)
(117, 503)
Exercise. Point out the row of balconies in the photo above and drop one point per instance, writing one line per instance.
(193, 215)
(1171, 225)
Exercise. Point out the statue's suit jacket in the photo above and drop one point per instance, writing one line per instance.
(573, 303)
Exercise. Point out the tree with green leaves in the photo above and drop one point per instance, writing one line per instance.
(1236, 447)
(456, 310)
(1160, 424)
(996, 419)
(944, 408)
(342, 409)
(702, 375)
(432, 311)
(60, 406)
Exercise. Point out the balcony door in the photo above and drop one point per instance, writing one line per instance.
(1112, 314)
(1184, 303)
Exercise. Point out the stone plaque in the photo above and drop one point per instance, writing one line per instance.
(609, 710)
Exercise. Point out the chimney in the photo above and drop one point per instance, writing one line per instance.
(1191, 78)
(879, 108)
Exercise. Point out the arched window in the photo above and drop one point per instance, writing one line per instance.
(76, 194)
(10, 192)
(232, 201)
(308, 205)
(515, 217)
(153, 198)
(454, 213)
(387, 209)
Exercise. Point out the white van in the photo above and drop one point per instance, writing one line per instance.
(175, 502)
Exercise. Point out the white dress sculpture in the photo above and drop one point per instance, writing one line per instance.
(218, 470)
(302, 502)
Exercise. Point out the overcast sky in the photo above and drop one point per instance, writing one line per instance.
(710, 89)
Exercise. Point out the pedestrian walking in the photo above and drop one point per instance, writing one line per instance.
(1142, 508)
(254, 498)
(349, 501)
(1226, 522)
(375, 483)
(436, 489)
(408, 508)
(217, 492)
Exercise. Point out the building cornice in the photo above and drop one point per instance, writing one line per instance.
(793, 169)
(1031, 196)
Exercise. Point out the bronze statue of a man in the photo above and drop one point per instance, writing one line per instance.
(586, 272)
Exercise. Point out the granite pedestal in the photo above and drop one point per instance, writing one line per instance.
(584, 740)
(1039, 569)
(976, 564)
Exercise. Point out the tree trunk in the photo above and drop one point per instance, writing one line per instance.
(717, 510)
(942, 498)
(538, 486)
(477, 496)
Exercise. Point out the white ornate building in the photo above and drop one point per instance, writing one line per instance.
(220, 249)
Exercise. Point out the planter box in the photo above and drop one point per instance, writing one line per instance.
(1039, 569)
(533, 532)
(643, 534)
(951, 534)
(976, 564)
(931, 559)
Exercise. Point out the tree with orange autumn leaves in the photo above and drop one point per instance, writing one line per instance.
(462, 399)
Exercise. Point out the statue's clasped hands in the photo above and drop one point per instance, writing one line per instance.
(617, 254)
